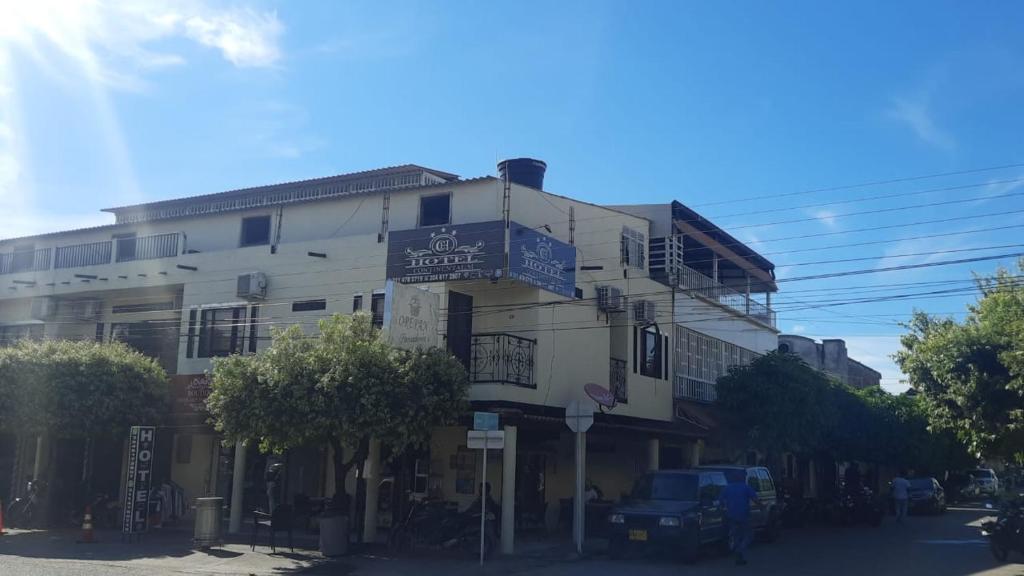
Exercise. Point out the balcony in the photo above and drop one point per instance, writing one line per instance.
(147, 247)
(502, 359)
(25, 261)
(617, 380)
(92, 253)
(697, 390)
(688, 279)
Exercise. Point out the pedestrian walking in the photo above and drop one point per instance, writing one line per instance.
(738, 496)
(900, 494)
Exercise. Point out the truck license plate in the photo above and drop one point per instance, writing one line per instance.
(638, 535)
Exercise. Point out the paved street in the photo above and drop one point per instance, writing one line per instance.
(934, 546)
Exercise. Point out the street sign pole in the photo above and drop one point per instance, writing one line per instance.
(579, 418)
(483, 505)
(482, 440)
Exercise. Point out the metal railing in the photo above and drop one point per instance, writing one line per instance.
(148, 247)
(617, 380)
(689, 279)
(503, 359)
(25, 261)
(82, 254)
(699, 390)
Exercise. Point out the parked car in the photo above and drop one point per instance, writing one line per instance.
(926, 495)
(674, 510)
(766, 518)
(988, 482)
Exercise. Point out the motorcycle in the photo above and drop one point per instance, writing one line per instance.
(439, 525)
(22, 512)
(1006, 532)
(858, 506)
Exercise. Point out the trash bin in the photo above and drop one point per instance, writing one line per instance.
(208, 522)
(333, 534)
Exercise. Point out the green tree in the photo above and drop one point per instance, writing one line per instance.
(73, 389)
(780, 402)
(341, 388)
(970, 374)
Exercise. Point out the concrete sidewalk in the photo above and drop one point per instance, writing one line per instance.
(165, 552)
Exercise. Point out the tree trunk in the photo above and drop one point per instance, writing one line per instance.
(341, 468)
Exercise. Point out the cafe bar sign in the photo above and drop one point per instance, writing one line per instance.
(443, 253)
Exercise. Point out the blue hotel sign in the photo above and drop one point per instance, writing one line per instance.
(443, 253)
(541, 261)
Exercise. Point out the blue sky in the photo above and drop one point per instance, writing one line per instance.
(103, 104)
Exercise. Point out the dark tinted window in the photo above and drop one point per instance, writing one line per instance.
(666, 487)
(308, 305)
(255, 231)
(377, 309)
(981, 473)
(435, 210)
(921, 483)
(735, 475)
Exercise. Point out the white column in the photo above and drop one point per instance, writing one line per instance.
(653, 454)
(237, 489)
(371, 473)
(508, 492)
(695, 452)
(37, 466)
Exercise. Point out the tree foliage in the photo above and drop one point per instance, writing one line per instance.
(784, 405)
(74, 389)
(341, 388)
(970, 374)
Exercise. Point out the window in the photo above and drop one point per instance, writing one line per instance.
(633, 248)
(357, 303)
(377, 309)
(435, 210)
(24, 258)
(183, 452)
(651, 353)
(221, 332)
(11, 334)
(666, 487)
(125, 244)
(255, 231)
(309, 305)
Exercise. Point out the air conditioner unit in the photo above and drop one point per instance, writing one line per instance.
(643, 311)
(87, 309)
(44, 308)
(609, 299)
(252, 286)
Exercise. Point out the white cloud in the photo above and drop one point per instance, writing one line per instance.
(110, 41)
(915, 112)
(798, 328)
(246, 38)
(827, 217)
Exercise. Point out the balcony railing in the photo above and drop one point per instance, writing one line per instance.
(82, 255)
(687, 278)
(502, 359)
(147, 247)
(25, 261)
(699, 390)
(617, 380)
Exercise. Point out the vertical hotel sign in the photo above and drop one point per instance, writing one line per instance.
(139, 480)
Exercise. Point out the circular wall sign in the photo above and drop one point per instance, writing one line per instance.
(600, 394)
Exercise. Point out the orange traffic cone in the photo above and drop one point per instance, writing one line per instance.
(87, 527)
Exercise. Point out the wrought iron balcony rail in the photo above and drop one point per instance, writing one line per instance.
(501, 358)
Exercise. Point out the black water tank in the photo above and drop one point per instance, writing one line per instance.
(524, 171)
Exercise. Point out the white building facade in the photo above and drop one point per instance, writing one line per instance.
(540, 295)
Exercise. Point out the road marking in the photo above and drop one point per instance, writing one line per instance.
(972, 542)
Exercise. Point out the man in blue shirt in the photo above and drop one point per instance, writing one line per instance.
(737, 497)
